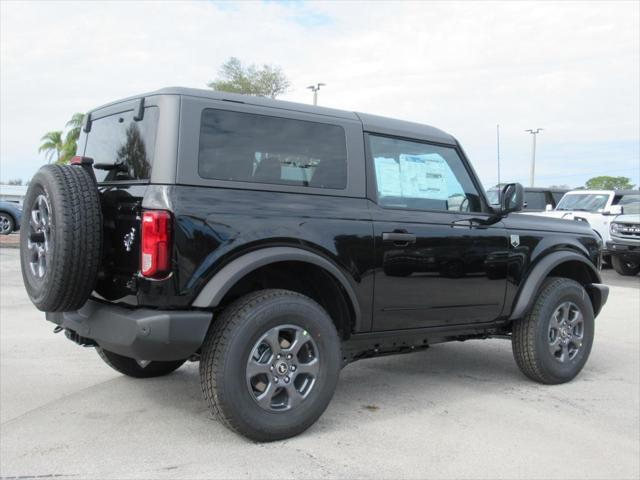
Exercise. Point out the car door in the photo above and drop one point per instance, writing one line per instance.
(436, 262)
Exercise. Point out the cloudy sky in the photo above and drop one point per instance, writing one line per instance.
(571, 68)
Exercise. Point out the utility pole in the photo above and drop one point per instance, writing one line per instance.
(498, 148)
(314, 89)
(532, 172)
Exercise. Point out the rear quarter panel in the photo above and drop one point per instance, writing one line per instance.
(213, 226)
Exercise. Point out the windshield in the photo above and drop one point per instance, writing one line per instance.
(630, 203)
(584, 202)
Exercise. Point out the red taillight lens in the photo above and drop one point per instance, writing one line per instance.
(155, 252)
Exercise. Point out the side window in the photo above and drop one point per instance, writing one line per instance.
(254, 148)
(420, 176)
(126, 144)
(535, 200)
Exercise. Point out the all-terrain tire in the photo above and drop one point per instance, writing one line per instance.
(130, 367)
(70, 239)
(625, 268)
(228, 347)
(532, 336)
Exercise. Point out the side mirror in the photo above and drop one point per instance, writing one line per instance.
(511, 198)
(614, 210)
(548, 208)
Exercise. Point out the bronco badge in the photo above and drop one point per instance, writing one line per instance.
(129, 238)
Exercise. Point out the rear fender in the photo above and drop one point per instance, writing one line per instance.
(214, 291)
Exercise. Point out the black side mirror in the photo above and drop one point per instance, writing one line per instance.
(511, 198)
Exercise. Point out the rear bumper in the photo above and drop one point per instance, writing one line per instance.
(143, 334)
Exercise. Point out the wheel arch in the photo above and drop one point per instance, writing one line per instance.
(234, 275)
(560, 264)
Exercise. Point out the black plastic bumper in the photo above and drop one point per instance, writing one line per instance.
(143, 334)
(625, 248)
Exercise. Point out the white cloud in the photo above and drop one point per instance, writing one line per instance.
(572, 68)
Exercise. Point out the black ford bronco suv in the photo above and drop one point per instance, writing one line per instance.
(275, 243)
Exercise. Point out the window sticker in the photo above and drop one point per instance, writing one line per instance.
(424, 176)
(388, 177)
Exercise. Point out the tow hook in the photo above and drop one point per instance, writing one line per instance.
(58, 329)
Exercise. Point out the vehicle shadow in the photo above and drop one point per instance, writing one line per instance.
(390, 385)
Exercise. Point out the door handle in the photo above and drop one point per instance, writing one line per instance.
(400, 239)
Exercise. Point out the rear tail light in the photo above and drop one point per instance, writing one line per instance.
(155, 251)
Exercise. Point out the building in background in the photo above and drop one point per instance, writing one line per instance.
(13, 193)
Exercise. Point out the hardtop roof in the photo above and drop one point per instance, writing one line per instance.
(605, 192)
(370, 123)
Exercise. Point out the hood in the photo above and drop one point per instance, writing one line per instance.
(546, 222)
(631, 218)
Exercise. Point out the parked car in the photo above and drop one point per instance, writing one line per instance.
(275, 243)
(10, 217)
(596, 208)
(536, 199)
(624, 246)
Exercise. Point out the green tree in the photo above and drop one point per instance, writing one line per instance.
(62, 146)
(52, 145)
(266, 81)
(71, 138)
(605, 182)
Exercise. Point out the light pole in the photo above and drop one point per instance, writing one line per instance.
(314, 89)
(532, 172)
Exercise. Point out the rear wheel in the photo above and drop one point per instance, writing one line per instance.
(270, 364)
(552, 343)
(6, 223)
(137, 368)
(625, 267)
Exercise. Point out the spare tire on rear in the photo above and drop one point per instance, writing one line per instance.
(61, 237)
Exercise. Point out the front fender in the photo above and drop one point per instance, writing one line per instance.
(527, 293)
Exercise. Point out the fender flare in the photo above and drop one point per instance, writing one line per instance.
(539, 273)
(217, 287)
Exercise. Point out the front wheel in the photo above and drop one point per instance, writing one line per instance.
(552, 343)
(270, 364)
(624, 267)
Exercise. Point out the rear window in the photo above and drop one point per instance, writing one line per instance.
(246, 147)
(123, 147)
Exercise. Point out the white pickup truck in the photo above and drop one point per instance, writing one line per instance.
(596, 207)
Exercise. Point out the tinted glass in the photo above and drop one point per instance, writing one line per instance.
(535, 200)
(121, 142)
(420, 176)
(246, 147)
(630, 203)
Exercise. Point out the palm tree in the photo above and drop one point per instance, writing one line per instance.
(74, 125)
(52, 145)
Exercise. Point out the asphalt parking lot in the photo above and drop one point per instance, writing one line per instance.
(459, 410)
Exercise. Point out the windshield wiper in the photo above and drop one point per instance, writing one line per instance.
(111, 166)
